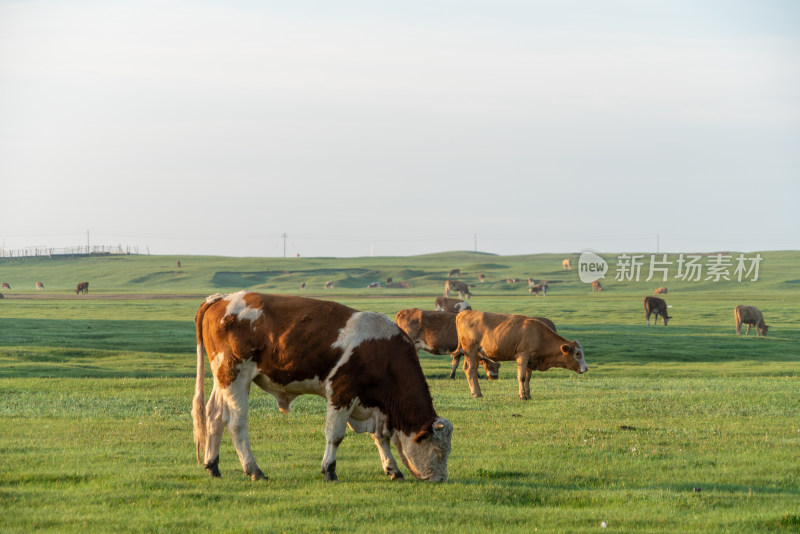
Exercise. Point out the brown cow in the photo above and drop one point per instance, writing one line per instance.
(451, 305)
(481, 278)
(361, 362)
(751, 316)
(328, 285)
(660, 291)
(531, 343)
(566, 264)
(455, 285)
(83, 287)
(657, 307)
(454, 272)
(40, 285)
(597, 286)
(538, 288)
(435, 332)
(302, 286)
(6, 286)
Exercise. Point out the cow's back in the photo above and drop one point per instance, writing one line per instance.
(435, 331)
(749, 315)
(655, 304)
(289, 338)
(496, 333)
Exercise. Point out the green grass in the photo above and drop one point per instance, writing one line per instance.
(674, 429)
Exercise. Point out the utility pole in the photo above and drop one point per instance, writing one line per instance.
(284, 236)
(87, 241)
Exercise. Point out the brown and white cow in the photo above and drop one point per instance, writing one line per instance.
(454, 272)
(302, 286)
(83, 287)
(660, 291)
(655, 306)
(6, 286)
(435, 332)
(751, 316)
(361, 362)
(538, 288)
(455, 285)
(328, 285)
(451, 305)
(597, 286)
(481, 278)
(40, 285)
(529, 342)
(566, 264)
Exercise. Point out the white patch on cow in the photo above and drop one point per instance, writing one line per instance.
(421, 345)
(238, 307)
(578, 354)
(361, 327)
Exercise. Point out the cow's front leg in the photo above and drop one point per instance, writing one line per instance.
(471, 370)
(456, 357)
(335, 428)
(748, 329)
(235, 398)
(522, 373)
(387, 460)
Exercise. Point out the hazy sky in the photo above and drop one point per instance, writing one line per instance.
(402, 127)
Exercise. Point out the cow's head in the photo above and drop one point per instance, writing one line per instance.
(570, 356)
(425, 454)
(492, 368)
(665, 318)
(762, 328)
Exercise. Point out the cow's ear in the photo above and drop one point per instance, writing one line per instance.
(566, 349)
(422, 434)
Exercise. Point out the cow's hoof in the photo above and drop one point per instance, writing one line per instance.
(330, 473)
(258, 475)
(213, 468)
(477, 395)
(397, 475)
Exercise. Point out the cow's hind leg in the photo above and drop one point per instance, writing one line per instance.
(215, 424)
(471, 370)
(335, 428)
(523, 376)
(456, 357)
(235, 397)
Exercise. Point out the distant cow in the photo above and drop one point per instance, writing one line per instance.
(566, 265)
(435, 332)
(179, 264)
(302, 286)
(83, 287)
(360, 362)
(451, 305)
(660, 291)
(328, 285)
(530, 342)
(40, 285)
(751, 316)
(374, 284)
(454, 272)
(6, 286)
(597, 286)
(481, 278)
(538, 288)
(512, 280)
(455, 285)
(389, 280)
(531, 282)
(657, 307)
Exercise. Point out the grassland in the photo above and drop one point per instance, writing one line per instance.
(674, 429)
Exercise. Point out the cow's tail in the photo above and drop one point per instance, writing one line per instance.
(199, 401)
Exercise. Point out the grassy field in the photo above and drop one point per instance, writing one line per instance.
(674, 429)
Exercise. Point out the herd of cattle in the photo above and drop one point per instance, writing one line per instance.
(367, 368)
(83, 287)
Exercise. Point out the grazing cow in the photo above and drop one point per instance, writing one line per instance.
(179, 264)
(566, 265)
(455, 285)
(597, 286)
(451, 305)
(538, 288)
(6, 286)
(361, 362)
(512, 280)
(481, 278)
(530, 342)
(388, 280)
(328, 285)
(660, 291)
(302, 286)
(657, 307)
(531, 282)
(435, 332)
(454, 272)
(751, 316)
(374, 284)
(40, 285)
(83, 287)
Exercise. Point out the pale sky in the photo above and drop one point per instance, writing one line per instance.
(400, 128)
